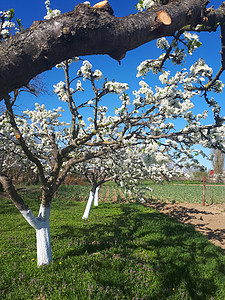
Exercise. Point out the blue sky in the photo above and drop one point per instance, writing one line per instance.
(28, 11)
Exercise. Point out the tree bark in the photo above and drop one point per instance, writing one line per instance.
(41, 225)
(10, 189)
(96, 196)
(86, 31)
(1, 188)
(89, 204)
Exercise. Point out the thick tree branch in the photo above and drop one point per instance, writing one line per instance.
(10, 189)
(86, 31)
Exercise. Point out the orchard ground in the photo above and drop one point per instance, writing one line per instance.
(124, 251)
(184, 203)
(209, 219)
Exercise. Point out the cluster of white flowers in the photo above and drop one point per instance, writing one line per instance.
(79, 86)
(193, 41)
(125, 99)
(97, 75)
(201, 69)
(7, 24)
(60, 90)
(218, 86)
(178, 56)
(215, 106)
(5, 27)
(162, 43)
(116, 87)
(35, 126)
(69, 61)
(146, 91)
(85, 70)
(164, 77)
(51, 13)
(145, 4)
(150, 64)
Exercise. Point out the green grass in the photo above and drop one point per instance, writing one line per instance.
(126, 251)
(188, 193)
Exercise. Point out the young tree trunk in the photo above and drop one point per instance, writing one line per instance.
(89, 203)
(41, 225)
(96, 196)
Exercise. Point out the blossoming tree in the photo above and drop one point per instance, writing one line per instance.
(97, 171)
(146, 118)
(128, 167)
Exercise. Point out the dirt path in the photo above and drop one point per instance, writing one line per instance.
(209, 220)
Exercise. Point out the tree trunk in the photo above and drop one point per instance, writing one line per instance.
(87, 30)
(41, 225)
(89, 204)
(96, 196)
(1, 187)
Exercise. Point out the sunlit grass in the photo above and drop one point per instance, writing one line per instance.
(125, 251)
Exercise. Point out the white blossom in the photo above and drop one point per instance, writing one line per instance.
(97, 75)
(193, 41)
(162, 43)
(85, 69)
(116, 87)
(79, 86)
(145, 4)
(51, 13)
(164, 77)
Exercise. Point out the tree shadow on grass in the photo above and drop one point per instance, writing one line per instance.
(178, 254)
(202, 220)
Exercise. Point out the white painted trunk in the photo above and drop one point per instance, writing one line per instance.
(41, 225)
(96, 196)
(44, 252)
(88, 206)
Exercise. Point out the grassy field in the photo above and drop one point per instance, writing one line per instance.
(188, 193)
(125, 251)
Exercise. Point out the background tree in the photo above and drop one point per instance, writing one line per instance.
(218, 164)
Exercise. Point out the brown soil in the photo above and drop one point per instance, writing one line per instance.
(114, 195)
(122, 196)
(106, 198)
(209, 220)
